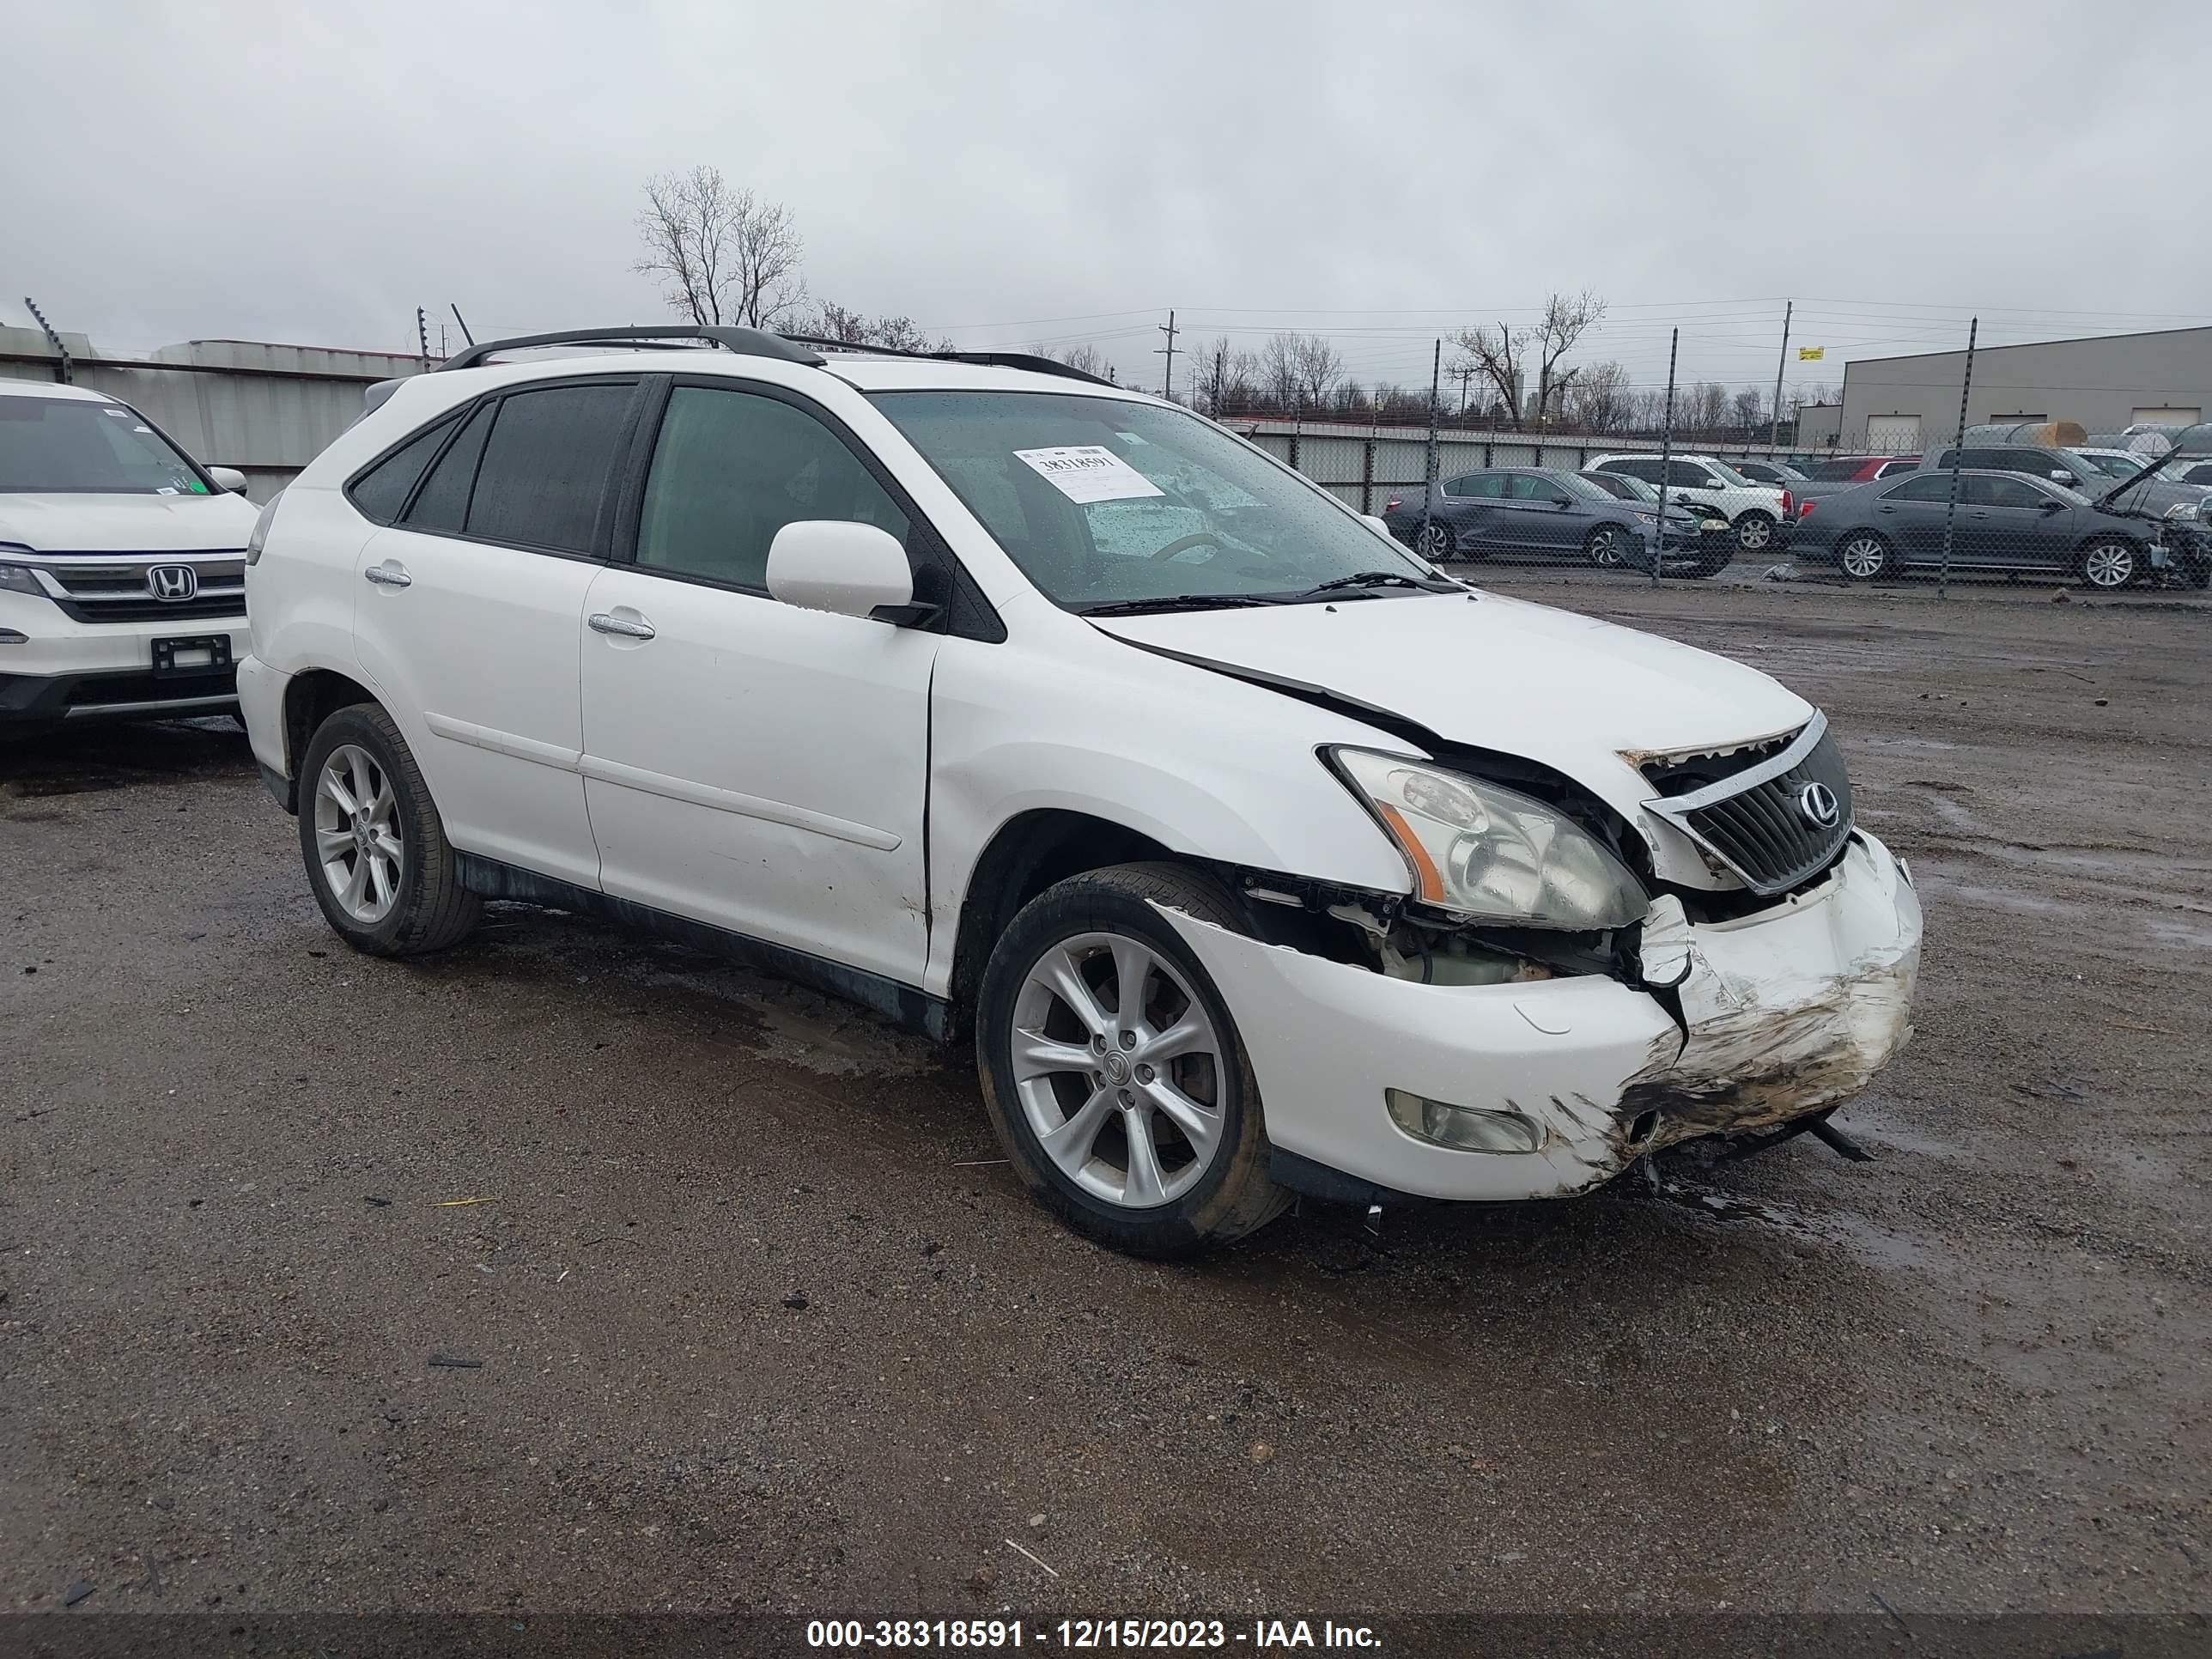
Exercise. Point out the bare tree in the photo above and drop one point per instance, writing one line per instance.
(1744, 409)
(1224, 377)
(1703, 408)
(1083, 356)
(1598, 399)
(723, 255)
(1503, 356)
(835, 322)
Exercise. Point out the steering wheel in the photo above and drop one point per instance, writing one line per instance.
(1182, 542)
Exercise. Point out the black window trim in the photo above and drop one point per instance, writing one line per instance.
(461, 413)
(939, 577)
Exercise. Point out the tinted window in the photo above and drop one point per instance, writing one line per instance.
(443, 501)
(381, 491)
(545, 466)
(1647, 470)
(1687, 474)
(1923, 487)
(1891, 468)
(1469, 485)
(1533, 486)
(732, 468)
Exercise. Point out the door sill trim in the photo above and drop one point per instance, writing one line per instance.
(909, 1005)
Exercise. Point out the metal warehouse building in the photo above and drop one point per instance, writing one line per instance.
(2107, 383)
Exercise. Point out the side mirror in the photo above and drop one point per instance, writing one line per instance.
(833, 564)
(1376, 525)
(1562, 500)
(2054, 506)
(229, 478)
(2060, 475)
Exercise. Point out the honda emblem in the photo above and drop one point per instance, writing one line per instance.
(173, 582)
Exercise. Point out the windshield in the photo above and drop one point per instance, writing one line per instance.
(71, 445)
(1103, 501)
(1730, 475)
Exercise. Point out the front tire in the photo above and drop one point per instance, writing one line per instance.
(1754, 532)
(1602, 547)
(1112, 1070)
(2110, 562)
(375, 847)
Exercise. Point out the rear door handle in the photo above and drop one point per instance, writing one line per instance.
(390, 574)
(622, 627)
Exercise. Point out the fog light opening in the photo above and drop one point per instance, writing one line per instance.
(1645, 1126)
(1461, 1128)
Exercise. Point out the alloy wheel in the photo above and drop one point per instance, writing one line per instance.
(357, 840)
(1753, 532)
(1119, 1069)
(1863, 558)
(1434, 543)
(2109, 564)
(1605, 549)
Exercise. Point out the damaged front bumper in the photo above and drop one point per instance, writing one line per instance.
(1783, 1013)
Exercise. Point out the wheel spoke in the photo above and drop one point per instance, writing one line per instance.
(356, 885)
(383, 842)
(1036, 1054)
(1191, 1033)
(380, 881)
(1069, 1146)
(1065, 975)
(360, 778)
(1200, 1125)
(335, 788)
(332, 844)
(1133, 967)
(1144, 1184)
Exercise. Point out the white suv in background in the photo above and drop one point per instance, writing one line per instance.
(122, 565)
(1008, 702)
(1760, 513)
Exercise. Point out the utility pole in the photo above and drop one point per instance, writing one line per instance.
(1429, 472)
(1774, 432)
(1167, 381)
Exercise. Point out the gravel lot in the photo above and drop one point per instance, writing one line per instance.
(744, 1318)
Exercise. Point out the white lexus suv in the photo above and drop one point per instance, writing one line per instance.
(1256, 857)
(122, 565)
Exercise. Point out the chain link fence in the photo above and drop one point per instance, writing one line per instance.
(2041, 502)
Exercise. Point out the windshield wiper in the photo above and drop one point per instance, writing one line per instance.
(1378, 579)
(1175, 602)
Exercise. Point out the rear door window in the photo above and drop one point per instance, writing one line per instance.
(443, 503)
(1924, 486)
(546, 465)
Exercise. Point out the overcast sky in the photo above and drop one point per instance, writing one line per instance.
(267, 169)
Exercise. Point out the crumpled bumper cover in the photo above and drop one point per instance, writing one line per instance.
(1787, 1013)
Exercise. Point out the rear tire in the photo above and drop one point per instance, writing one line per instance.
(1864, 556)
(1436, 542)
(1063, 1055)
(1754, 532)
(375, 846)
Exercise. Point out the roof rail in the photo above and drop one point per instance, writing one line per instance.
(1029, 361)
(752, 341)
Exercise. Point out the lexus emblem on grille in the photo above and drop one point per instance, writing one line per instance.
(1820, 805)
(173, 581)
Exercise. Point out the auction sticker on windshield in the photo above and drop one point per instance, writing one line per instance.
(1088, 473)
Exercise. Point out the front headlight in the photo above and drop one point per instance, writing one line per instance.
(2182, 510)
(21, 579)
(1647, 517)
(1490, 854)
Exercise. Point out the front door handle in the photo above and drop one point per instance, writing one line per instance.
(622, 627)
(390, 574)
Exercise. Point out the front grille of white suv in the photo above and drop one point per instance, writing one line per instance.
(107, 588)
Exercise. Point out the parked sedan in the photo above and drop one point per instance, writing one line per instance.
(2007, 522)
(1717, 537)
(1534, 511)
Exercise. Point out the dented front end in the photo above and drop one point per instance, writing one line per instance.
(1474, 1075)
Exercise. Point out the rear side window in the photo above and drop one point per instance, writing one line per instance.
(1533, 486)
(1925, 487)
(545, 466)
(1647, 470)
(382, 491)
(1479, 484)
(443, 503)
(732, 468)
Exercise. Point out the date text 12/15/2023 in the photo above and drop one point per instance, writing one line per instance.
(1124, 1634)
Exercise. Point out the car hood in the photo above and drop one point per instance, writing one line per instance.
(126, 524)
(1551, 686)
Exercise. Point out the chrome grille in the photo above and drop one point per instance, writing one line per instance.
(1756, 822)
(113, 588)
